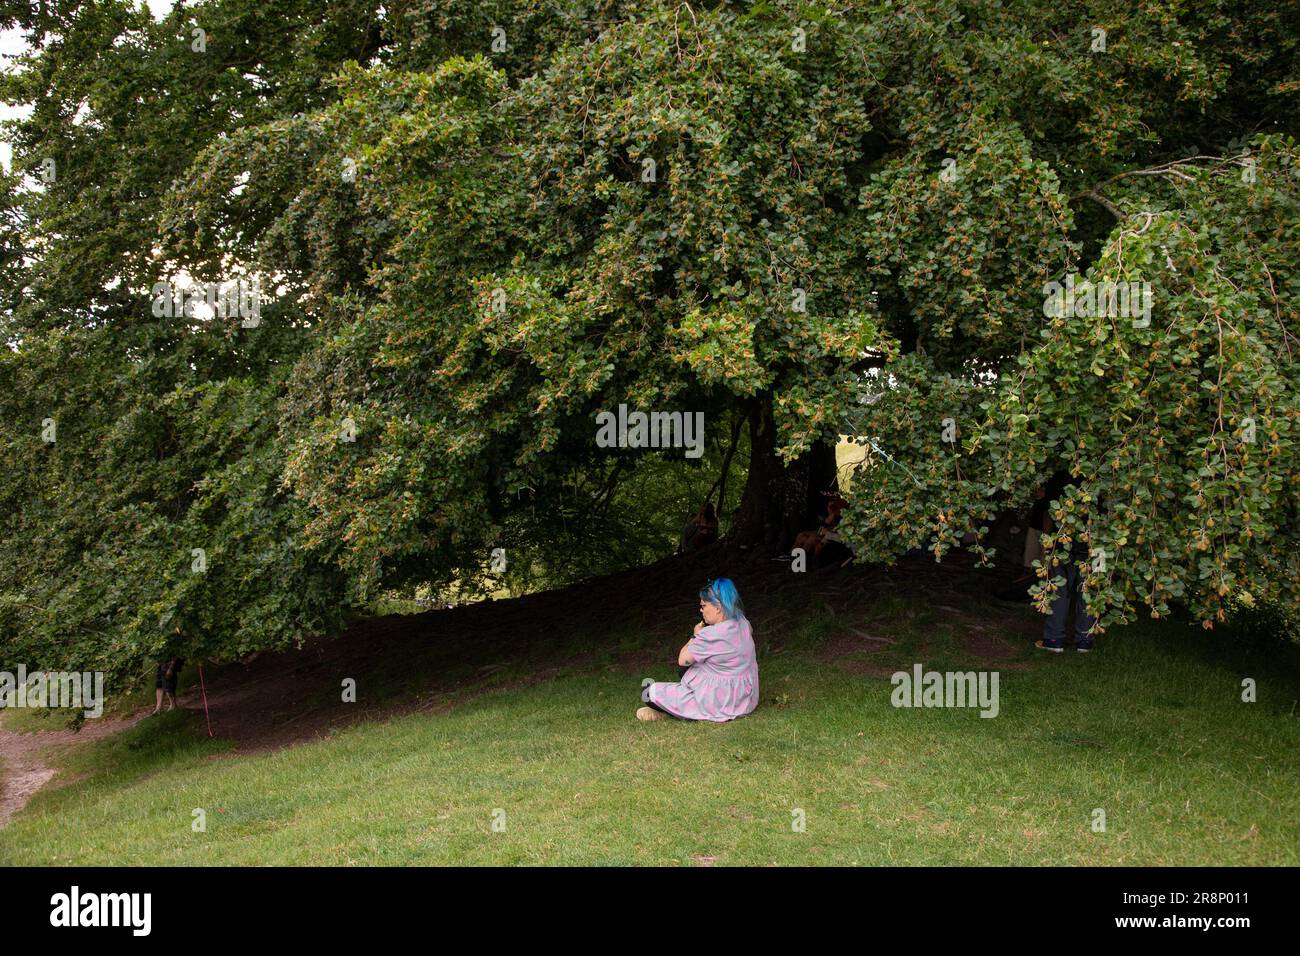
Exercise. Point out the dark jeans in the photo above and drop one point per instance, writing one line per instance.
(1054, 628)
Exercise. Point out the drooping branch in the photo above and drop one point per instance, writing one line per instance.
(1164, 169)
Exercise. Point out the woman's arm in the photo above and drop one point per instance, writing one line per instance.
(684, 658)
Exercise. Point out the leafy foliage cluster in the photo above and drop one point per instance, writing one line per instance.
(478, 225)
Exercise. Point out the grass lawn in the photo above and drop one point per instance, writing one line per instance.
(1151, 729)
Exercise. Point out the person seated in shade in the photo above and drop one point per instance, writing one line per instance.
(720, 677)
(824, 544)
(700, 531)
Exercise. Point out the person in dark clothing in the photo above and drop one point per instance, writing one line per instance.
(1073, 568)
(824, 545)
(1018, 588)
(165, 682)
(1039, 517)
(701, 530)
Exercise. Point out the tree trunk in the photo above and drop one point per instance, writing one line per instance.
(823, 478)
(759, 519)
(736, 424)
(781, 500)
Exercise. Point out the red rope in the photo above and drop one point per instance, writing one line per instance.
(204, 690)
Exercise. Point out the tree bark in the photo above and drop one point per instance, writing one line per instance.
(781, 500)
(726, 466)
(759, 519)
(823, 478)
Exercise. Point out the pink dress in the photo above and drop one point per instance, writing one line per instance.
(722, 684)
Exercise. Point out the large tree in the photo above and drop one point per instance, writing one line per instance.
(480, 226)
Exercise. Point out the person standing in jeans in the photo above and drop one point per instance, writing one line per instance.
(165, 682)
(1073, 569)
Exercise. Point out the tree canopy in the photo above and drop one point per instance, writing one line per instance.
(475, 227)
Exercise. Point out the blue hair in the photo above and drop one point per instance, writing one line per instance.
(724, 594)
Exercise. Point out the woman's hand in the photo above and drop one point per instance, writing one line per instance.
(699, 626)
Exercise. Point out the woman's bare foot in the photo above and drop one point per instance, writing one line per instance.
(649, 713)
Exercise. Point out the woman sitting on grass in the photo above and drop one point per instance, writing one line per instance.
(720, 677)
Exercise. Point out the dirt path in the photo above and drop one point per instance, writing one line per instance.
(23, 772)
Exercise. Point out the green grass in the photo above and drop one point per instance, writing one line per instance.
(1151, 729)
(22, 720)
(33, 720)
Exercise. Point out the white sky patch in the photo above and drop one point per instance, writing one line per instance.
(12, 44)
(877, 388)
(159, 8)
